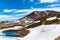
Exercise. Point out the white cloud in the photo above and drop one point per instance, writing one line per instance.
(35, 9)
(31, 0)
(11, 17)
(7, 17)
(43, 9)
(4, 16)
(54, 5)
(39, 9)
(47, 1)
(16, 11)
(24, 10)
(7, 10)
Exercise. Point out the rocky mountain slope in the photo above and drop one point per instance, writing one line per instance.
(35, 16)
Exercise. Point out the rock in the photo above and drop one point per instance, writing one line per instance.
(23, 32)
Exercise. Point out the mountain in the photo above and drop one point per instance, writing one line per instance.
(28, 21)
(20, 27)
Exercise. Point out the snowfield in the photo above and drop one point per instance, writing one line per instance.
(43, 32)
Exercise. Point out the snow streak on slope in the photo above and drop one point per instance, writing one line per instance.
(51, 18)
(43, 32)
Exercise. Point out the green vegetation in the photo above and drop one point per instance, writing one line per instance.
(34, 25)
(50, 22)
(46, 23)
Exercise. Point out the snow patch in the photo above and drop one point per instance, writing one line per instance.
(51, 18)
(58, 18)
(13, 28)
(37, 21)
(50, 32)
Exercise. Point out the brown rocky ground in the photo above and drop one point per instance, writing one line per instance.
(8, 25)
(23, 32)
(58, 38)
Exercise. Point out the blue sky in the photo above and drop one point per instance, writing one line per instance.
(15, 9)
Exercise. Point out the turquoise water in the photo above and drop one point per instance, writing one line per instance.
(12, 34)
(4, 36)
